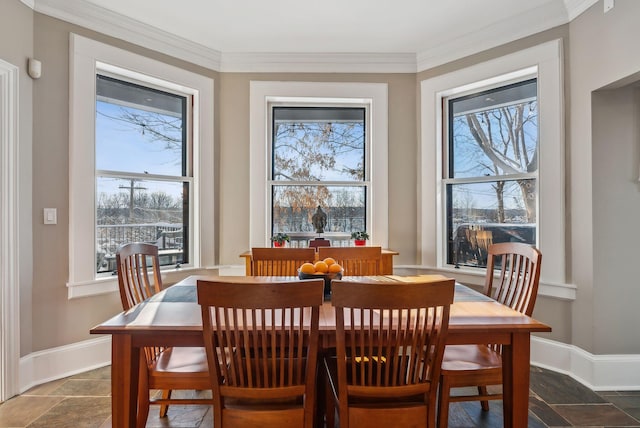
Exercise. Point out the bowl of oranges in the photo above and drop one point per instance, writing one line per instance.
(327, 269)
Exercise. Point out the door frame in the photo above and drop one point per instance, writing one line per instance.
(9, 248)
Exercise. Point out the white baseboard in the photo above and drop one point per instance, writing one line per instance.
(57, 363)
(597, 372)
(231, 270)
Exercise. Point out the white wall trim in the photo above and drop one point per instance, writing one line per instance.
(9, 226)
(597, 372)
(272, 62)
(29, 3)
(99, 19)
(516, 27)
(576, 7)
(92, 16)
(57, 363)
(86, 58)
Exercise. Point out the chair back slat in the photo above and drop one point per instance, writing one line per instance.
(355, 261)
(517, 283)
(279, 261)
(138, 273)
(261, 341)
(390, 338)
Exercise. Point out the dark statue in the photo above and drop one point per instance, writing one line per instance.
(319, 220)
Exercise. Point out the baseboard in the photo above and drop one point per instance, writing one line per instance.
(597, 372)
(231, 270)
(57, 363)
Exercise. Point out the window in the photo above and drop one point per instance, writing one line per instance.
(440, 184)
(364, 107)
(141, 156)
(491, 171)
(318, 159)
(143, 170)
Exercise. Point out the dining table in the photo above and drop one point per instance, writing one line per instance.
(173, 318)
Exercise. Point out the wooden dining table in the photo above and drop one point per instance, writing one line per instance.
(172, 318)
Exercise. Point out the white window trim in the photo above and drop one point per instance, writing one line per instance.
(263, 94)
(86, 58)
(547, 60)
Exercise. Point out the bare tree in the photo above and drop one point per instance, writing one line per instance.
(501, 135)
(304, 152)
(156, 127)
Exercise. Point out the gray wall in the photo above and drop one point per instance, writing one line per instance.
(616, 202)
(234, 158)
(603, 198)
(16, 46)
(599, 49)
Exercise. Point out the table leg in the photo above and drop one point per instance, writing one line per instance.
(125, 361)
(515, 379)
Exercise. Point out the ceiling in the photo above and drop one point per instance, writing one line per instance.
(428, 30)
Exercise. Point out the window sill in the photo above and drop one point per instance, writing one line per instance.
(476, 277)
(109, 284)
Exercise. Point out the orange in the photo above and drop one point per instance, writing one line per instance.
(329, 261)
(321, 267)
(307, 268)
(335, 268)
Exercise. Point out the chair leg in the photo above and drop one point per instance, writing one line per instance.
(143, 394)
(482, 390)
(443, 402)
(431, 411)
(330, 408)
(164, 408)
(143, 408)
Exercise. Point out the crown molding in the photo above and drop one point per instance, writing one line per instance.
(319, 62)
(576, 7)
(99, 19)
(94, 17)
(519, 26)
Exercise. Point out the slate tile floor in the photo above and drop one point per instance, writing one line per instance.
(83, 401)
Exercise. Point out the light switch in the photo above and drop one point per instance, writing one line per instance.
(50, 216)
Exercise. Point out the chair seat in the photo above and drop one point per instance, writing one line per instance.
(461, 358)
(178, 361)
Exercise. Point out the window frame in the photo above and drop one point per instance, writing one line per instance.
(365, 183)
(265, 93)
(186, 157)
(87, 59)
(447, 174)
(545, 61)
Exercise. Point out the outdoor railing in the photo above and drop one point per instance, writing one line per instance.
(167, 236)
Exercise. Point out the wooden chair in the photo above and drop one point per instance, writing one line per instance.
(360, 261)
(163, 369)
(389, 343)
(481, 365)
(262, 344)
(279, 261)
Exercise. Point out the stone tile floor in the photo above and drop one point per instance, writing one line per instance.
(83, 401)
